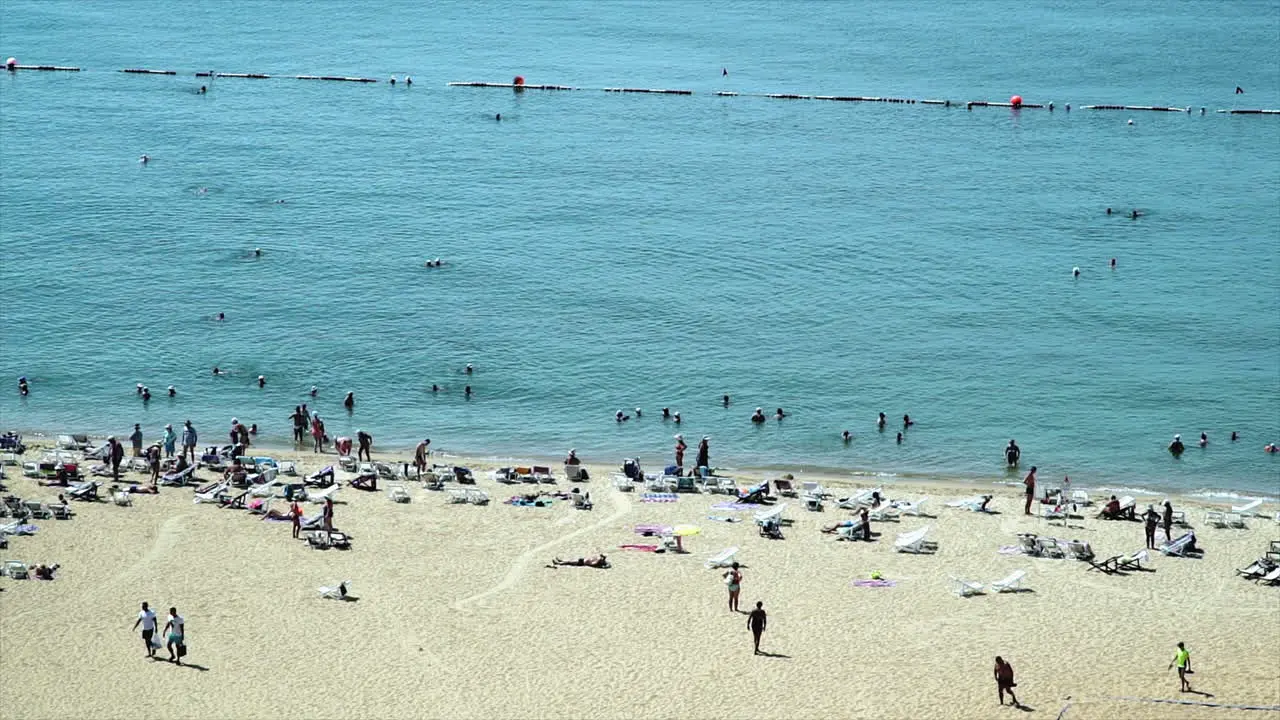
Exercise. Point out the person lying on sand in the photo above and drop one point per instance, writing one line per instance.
(595, 561)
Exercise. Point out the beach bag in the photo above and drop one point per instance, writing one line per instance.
(182, 649)
(155, 641)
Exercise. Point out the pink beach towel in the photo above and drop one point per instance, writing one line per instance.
(875, 583)
(641, 548)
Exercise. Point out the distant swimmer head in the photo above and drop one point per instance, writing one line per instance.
(393, 80)
(1108, 211)
(638, 413)
(846, 435)
(408, 80)
(899, 438)
(257, 252)
(314, 390)
(1075, 271)
(144, 159)
(1130, 121)
(172, 391)
(11, 64)
(222, 316)
(1113, 262)
(470, 368)
(138, 388)
(676, 416)
(725, 400)
(498, 117)
(203, 89)
(262, 380)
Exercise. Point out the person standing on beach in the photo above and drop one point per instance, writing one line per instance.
(1030, 482)
(680, 448)
(147, 618)
(295, 513)
(1168, 521)
(1183, 660)
(420, 455)
(704, 453)
(299, 424)
(365, 452)
(756, 622)
(1012, 453)
(733, 579)
(170, 440)
(1004, 681)
(317, 432)
(115, 453)
(136, 440)
(189, 439)
(328, 514)
(176, 628)
(153, 463)
(1150, 519)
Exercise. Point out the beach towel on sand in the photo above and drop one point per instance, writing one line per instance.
(658, 497)
(874, 583)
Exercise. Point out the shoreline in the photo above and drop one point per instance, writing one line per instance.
(1207, 497)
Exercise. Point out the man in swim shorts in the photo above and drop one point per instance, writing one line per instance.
(1183, 660)
(757, 621)
(176, 629)
(1030, 482)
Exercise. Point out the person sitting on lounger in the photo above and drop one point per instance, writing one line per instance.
(236, 473)
(1112, 510)
(595, 561)
(290, 514)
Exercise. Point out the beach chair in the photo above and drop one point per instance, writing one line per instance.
(287, 467)
(1257, 569)
(574, 473)
(315, 522)
(722, 559)
(726, 486)
(459, 496)
(212, 495)
(1110, 565)
(1271, 578)
(1233, 519)
(1216, 518)
(179, 478)
(784, 488)
(398, 493)
(87, 490)
(1179, 547)
(37, 509)
(329, 493)
(463, 476)
(8, 458)
(348, 463)
(339, 592)
(686, 484)
(757, 495)
(860, 498)
(581, 501)
(263, 490)
(660, 484)
(1079, 550)
(914, 541)
(623, 483)
(1132, 561)
(972, 504)
(1081, 498)
(813, 488)
(1029, 543)
(476, 496)
(365, 481)
(776, 513)
(1250, 508)
(523, 474)
(915, 507)
(61, 512)
(1011, 583)
(1057, 512)
(542, 474)
(17, 570)
(853, 532)
(965, 588)
(321, 478)
(884, 513)
(384, 471)
(812, 502)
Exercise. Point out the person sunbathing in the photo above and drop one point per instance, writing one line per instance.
(595, 561)
(274, 514)
(833, 527)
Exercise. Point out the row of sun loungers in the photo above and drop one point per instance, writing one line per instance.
(968, 588)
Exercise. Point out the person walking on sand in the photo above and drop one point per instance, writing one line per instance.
(176, 629)
(680, 448)
(1004, 681)
(1183, 660)
(328, 515)
(115, 453)
(1168, 521)
(365, 440)
(189, 439)
(756, 622)
(299, 424)
(147, 619)
(1030, 482)
(733, 579)
(1150, 519)
(136, 440)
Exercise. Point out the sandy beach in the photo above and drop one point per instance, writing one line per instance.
(458, 615)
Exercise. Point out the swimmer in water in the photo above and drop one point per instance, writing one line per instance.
(899, 438)
(221, 317)
(620, 417)
(203, 90)
(724, 72)
(758, 416)
(1108, 211)
(1234, 436)
(314, 390)
(1204, 440)
(1176, 447)
(257, 252)
(137, 389)
(638, 413)
(725, 400)
(907, 421)
(1239, 90)
(498, 117)
(202, 191)
(1271, 448)
(881, 421)
(217, 371)
(469, 369)
(435, 388)
(666, 413)
(393, 81)
(1135, 214)
(846, 436)
(408, 80)
(262, 381)
(146, 394)
(349, 401)
(23, 388)
(675, 417)
(172, 391)
(778, 415)
(466, 391)
(1075, 272)
(1113, 262)
(144, 159)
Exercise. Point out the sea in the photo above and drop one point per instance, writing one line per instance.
(612, 251)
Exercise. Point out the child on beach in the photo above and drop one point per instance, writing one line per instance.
(733, 579)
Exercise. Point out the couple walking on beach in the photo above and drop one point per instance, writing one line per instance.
(757, 619)
(175, 627)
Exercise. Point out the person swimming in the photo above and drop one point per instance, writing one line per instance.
(257, 252)
(221, 317)
(435, 388)
(146, 394)
(498, 117)
(621, 416)
(314, 390)
(23, 388)
(846, 436)
(899, 438)
(469, 369)
(638, 413)
(725, 401)
(1176, 447)
(907, 421)
(1075, 271)
(1108, 211)
(137, 389)
(144, 159)
(778, 414)
(217, 370)
(666, 413)
(203, 89)
(466, 391)
(1134, 215)
(349, 401)
(172, 391)
(1234, 436)
(1204, 439)
(758, 415)
(1113, 262)
(675, 417)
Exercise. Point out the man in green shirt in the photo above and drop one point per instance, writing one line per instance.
(1183, 660)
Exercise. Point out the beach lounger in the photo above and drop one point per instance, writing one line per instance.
(384, 471)
(476, 496)
(574, 473)
(686, 484)
(122, 498)
(263, 490)
(8, 458)
(398, 493)
(1109, 565)
(348, 463)
(784, 488)
(722, 559)
(1057, 512)
(287, 467)
(458, 495)
(1078, 549)
(775, 513)
(338, 592)
(1257, 569)
(61, 512)
(179, 479)
(860, 498)
(503, 475)
(884, 513)
(37, 509)
(542, 474)
(1216, 518)
(87, 490)
(725, 486)
(322, 478)
(463, 476)
(329, 493)
(1271, 578)
(315, 522)
(365, 481)
(965, 588)
(916, 507)
(812, 502)
(1233, 519)
(853, 532)
(1081, 498)
(1179, 547)
(1133, 561)
(66, 442)
(914, 541)
(321, 540)
(1250, 508)
(1011, 583)
(972, 504)
(623, 483)
(660, 484)
(1029, 543)
(16, 570)
(813, 488)
(212, 495)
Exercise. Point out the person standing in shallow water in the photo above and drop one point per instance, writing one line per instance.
(704, 453)
(680, 448)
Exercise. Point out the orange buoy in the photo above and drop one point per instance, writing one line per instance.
(518, 81)
(1016, 101)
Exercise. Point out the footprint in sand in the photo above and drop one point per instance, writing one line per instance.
(621, 506)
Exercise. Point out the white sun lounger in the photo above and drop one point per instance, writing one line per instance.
(774, 513)
(1233, 519)
(1248, 508)
(16, 570)
(860, 498)
(623, 483)
(335, 592)
(972, 504)
(912, 542)
(38, 509)
(813, 488)
(853, 532)
(213, 496)
(476, 496)
(886, 511)
(459, 495)
(1080, 497)
(1271, 578)
(1215, 518)
(724, 558)
(1057, 512)
(1178, 547)
(1012, 583)
(915, 507)
(264, 490)
(965, 588)
(287, 467)
(348, 463)
(398, 493)
(319, 496)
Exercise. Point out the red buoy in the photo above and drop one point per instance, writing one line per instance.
(1016, 101)
(518, 81)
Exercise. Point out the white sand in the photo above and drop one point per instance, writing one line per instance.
(459, 618)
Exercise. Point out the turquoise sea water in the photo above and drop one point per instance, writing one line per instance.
(611, 251)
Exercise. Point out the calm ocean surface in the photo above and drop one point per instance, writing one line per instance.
(611, 251)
